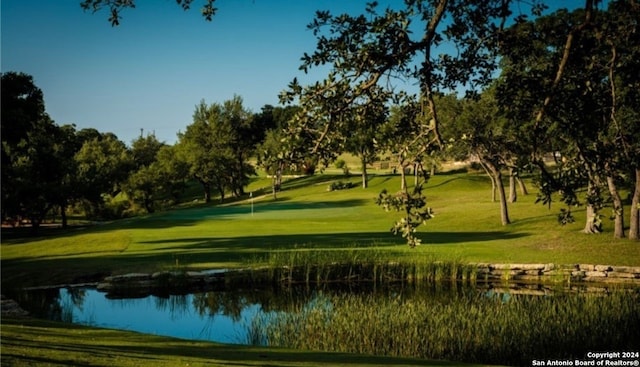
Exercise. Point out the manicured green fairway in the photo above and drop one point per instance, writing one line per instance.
(466, 227)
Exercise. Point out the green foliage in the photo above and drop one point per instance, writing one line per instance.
(104, 163)
(414, 205)
(216, 147)
(565, 216)
(145, 181)
(459, 325)
(340, 185)
(579, 61)
(115, 7)
(38, 171)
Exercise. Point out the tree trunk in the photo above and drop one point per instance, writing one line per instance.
(279, 176)
(403, 179)
(496, 178)
(493, 181)
(592, 224)
(433, 169)
(634, 217)
(148, 204)
(513, 195)
(617, 208)
(35, 223)
(365, 180)
(63, 214)
(274, 185)
(523, 187)
(221, 186)
(207, 193)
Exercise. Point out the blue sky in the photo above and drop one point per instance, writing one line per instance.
(152, 70)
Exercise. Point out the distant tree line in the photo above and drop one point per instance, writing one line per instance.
(47, 168)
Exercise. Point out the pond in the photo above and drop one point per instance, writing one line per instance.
(510, 325)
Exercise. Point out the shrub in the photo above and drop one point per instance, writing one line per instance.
(339, 185)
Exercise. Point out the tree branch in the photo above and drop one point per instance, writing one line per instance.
(563, 63)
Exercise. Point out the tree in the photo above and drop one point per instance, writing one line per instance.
(578, 116)
(202, 146)
(370, 53)
(483, 132)
(401, 136)
(67, 145)
(620, 36)
(104, 163)
(271, 152)
(272, 158)
(144, 183)
(173, 172)
(245, 134)
(35, 154)
(366, 119)
(22, 111)
(216, 147)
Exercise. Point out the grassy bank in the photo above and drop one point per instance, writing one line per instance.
(28, 342)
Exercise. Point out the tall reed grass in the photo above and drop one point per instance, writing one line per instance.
(468, 327)
(357, 265)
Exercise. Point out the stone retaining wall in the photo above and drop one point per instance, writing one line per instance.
(221, 279)
(555, 273)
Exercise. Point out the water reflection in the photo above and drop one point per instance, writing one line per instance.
(214, 316)
(242, 316)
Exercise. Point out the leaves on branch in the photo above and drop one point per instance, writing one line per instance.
(414, 205)
(115, 7)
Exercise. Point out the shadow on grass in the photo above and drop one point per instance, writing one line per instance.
(325, 240)
(448, 238)
(218, 252)
(468, 178)
(47, 342)
(175, 218)
(272, 242)
(193, 216)
(305, 181)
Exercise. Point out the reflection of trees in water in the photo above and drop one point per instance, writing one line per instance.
(42, 303)
(288, 299)
(232, 303)
(229, 304)
(176, 305)
(73, 298)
